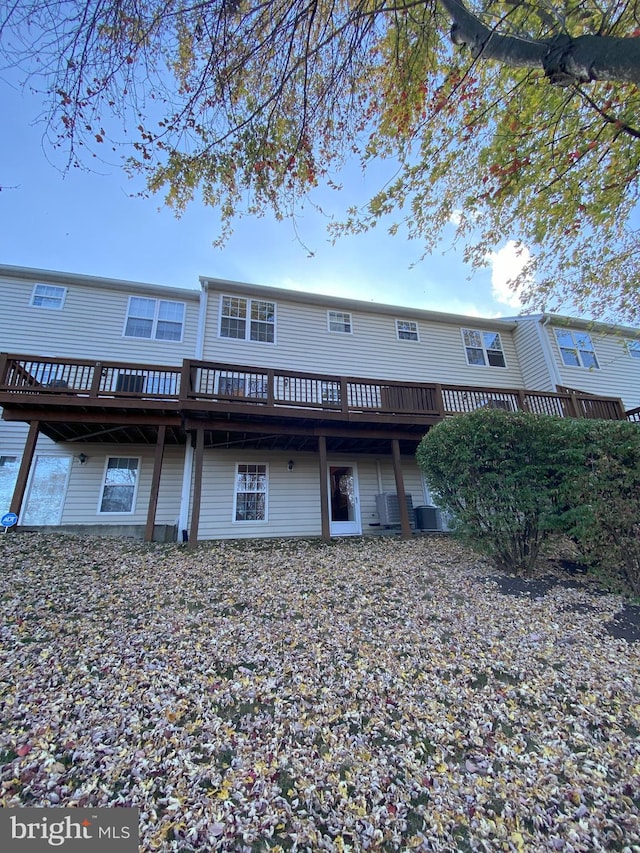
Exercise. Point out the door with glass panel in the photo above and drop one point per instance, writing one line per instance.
(47, 490)
(344, 503)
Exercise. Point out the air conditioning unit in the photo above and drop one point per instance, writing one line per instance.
(432, 518)
(389, 509)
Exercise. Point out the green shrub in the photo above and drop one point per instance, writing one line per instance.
(511, 479)
(500, 475)
(604, 512)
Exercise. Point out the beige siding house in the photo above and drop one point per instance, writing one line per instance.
(235, 410)
(64, 316)
(348, 337)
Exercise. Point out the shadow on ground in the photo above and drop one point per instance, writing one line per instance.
(569, 575)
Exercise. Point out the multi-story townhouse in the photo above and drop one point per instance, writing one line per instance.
(245, 411)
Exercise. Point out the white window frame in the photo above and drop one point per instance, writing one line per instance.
(53, 293)
(134, 497)
(236, 492)
(244, 308)
(156, 319)
(484, 348)
(577, 338)
(340, 322)
(632, 346)
(407, 331)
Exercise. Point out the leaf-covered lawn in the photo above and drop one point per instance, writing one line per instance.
(365, 695)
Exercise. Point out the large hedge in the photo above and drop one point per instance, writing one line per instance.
(498, 474)
(604, 512)
(509, 480)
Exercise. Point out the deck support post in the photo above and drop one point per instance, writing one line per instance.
(324, 488)
(25, 467)
(155, 483)
(197, 488)
(405, 525)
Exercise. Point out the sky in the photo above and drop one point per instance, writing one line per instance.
(94, 223)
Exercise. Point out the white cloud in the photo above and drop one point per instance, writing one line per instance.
(506, 264)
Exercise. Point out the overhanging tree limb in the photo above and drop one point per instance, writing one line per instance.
(564, 60)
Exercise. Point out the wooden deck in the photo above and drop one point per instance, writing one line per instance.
(36, 385)
(216, 405)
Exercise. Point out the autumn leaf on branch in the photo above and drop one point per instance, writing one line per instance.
(515, 120)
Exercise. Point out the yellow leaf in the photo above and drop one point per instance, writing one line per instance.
(518, 840)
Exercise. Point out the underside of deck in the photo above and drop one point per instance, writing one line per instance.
(214, 405)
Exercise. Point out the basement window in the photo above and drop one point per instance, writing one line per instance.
(120, 484)
(250, 493)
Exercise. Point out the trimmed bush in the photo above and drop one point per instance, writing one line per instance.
(501, 476)
(512, 479)
(603, 515)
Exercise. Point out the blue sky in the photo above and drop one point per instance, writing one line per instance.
(92, 222)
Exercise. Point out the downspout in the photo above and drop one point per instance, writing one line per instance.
(202, 319)
(379, 476)
(187, 468)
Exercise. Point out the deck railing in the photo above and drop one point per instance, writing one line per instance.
(633, 415)
(202, 382)
(35, 375)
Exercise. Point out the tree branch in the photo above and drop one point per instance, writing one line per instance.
(564, 60)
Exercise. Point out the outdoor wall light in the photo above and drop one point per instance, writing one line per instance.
(291, 464)
(82, 458)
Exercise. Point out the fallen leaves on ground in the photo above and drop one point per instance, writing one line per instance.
(365, 695)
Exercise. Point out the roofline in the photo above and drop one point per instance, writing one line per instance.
(546, 317)
(68, 278)
(355, 305)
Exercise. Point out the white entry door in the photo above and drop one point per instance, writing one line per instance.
(344, 503)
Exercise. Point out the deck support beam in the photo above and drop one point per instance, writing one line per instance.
(405, 525)
(197, 488)
(155, 484)
(25, 467)
(324, 488)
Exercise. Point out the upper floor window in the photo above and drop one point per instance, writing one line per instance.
(407, 330)
(248, 319)
(483, 348)
(633, 348)
(339, 321)
(154, 318)
(48, 296)
(576, 349)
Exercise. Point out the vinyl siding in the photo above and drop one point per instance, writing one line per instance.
(373, 350)
(377, 472)
(13, 436)
(617, 376)
(536, 373)
(90, 324)
(293, 507)
(85, 484)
